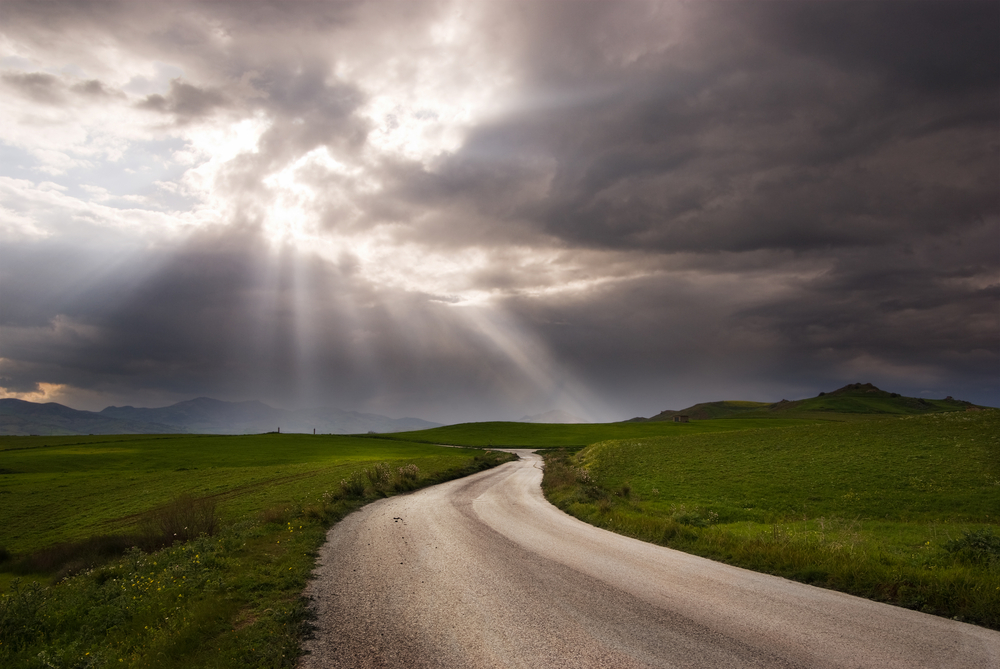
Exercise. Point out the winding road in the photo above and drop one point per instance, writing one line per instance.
(483, 572)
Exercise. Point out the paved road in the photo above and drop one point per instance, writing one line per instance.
(483, 572)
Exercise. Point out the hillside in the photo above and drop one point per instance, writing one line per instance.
(854, 398)
(709, 410)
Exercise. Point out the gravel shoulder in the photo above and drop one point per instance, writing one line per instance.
(484, 572)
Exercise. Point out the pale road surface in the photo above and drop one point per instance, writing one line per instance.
(483, 572)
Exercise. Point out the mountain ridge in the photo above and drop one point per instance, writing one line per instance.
(202, 415)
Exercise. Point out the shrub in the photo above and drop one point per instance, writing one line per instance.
(353, 486)
(380, 476)
(693, 516)
(21, 615)
(978, 547)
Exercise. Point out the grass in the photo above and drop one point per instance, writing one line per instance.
(87, 583)
(548, 435)
(67, 488)
(902, 510)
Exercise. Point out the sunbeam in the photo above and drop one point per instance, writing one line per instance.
(485, 210)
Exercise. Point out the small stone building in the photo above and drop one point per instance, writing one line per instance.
(681, 419)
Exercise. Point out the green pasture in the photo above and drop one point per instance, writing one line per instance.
(56, 489)
(231, 598)
(935, 468)
(549, 435)
(902, 509)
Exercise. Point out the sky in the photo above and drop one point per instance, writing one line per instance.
(468, 211)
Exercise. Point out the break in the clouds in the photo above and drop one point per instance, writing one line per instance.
(473, 210)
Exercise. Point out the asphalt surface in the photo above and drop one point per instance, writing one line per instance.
(483, 572)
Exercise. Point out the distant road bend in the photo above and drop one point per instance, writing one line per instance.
(483, 572)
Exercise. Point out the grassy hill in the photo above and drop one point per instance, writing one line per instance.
(710, 410)
(854, 398)
(543, 435)
(903, 509)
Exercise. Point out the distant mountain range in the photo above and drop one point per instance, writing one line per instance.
(198, 416)
(556, 416)
(852, 398)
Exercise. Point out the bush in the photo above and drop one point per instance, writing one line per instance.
(20, 615)
(380, 476)
(978, 547)
(693, 516)
(353, 486)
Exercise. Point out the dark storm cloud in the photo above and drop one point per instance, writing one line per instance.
(871, 150)
(931, 47)
(776, 143)
(758, 200)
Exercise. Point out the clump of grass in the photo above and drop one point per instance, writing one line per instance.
(276, 514)
(183, 519)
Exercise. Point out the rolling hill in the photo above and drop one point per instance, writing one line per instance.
(854, 398)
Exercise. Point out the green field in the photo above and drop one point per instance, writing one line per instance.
(549, 435)
(63, 488)
(75, 594)
(900, 509)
